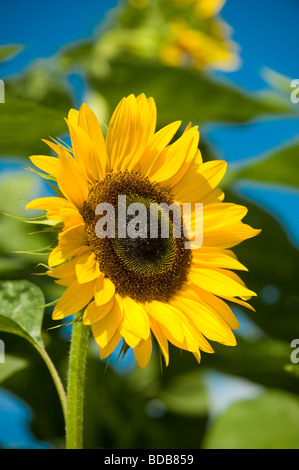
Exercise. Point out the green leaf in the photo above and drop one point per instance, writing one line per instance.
(280, 166)
(270, 421)
(43, 83)
(19, 310)
(11, 365)
(21, 314)
(25, 123)
(183, 94)
(9, 51)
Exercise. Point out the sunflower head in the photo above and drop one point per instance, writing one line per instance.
(139, 280)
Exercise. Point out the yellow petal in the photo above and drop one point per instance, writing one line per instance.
(89, 123)
(113, 343)
(49, 165)
(193, 338)
(228, 236)
(135, 318)
(157, 143)
(218, 306)
(59, 209)
(222, 214)
(71, 180)
(199, 181)
(197, 356)
(86, 154)
(67, 269)
(87, 268)
(57, 148)
(143, 352)
(104, 291)
(218, 282)
(216, 195)
(161, 339)
(46, 203)
(238, 301)
(208, 8)
(129, 131)
(213, 171)
(71, 242)
(104, 330)
(167, 316)
(94, 314)
(73, 299)
(148, 112)
(130, 339)
(66, 281)
(167, 167)
(208, 323)
(73, 116)
(221, 259)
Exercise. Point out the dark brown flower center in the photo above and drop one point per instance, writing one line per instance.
(144, 268)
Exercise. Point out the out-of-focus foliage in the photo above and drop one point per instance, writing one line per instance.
(30, 122)
(154, 47)
(275, 415)
(178, 33)
(270, 169)
(9, 51)
(11, 366)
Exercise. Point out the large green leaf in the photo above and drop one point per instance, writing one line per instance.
(270, 421)
(182, 94)
(21, 314)
(280, 166)
(20, 311)
(25, 123)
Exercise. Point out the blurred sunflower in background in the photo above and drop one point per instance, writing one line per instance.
(186, 46)
(198, 38)
(204, 8)
(132, 289)
(181, 33)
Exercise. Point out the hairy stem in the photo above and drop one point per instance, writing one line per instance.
(75, 385)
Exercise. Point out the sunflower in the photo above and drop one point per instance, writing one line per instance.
(186, 46)
(135, 290)
(204, 8)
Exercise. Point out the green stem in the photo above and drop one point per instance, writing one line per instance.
(55, 377)
(75, 385)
